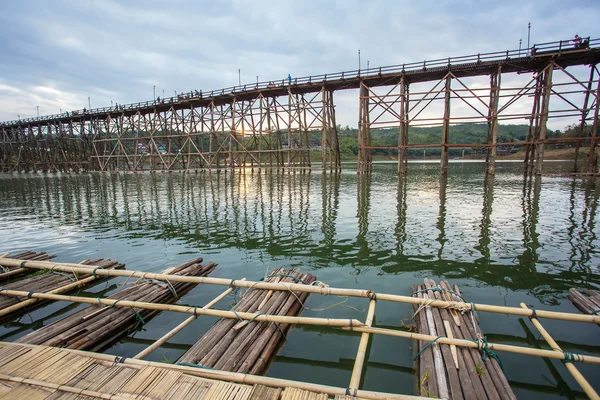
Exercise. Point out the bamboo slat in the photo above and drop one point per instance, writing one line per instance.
(55, 283)
(212, 374)
(467, 375)
(247, 346)
(96, 326)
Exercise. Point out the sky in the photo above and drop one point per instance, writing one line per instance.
(56, 54)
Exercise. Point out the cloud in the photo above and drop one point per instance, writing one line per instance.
(113, 50)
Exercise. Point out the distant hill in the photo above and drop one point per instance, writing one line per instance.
(466, 133)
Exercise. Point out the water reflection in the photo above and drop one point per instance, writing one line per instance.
(508, 232)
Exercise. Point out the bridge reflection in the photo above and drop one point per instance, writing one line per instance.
(461, 231)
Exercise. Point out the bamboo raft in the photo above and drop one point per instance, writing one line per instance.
(588, 301)
(456, 347)
(39, 372)
(443, 370)
(97, 326)
(47, 281)
(13, 271)
(247, 346)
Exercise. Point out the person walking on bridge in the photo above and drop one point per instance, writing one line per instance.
(577, 41)
(290, 79)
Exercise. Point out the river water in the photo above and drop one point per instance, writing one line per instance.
(504, 242)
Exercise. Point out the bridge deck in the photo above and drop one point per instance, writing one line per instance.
(512, 61)
(39, 372)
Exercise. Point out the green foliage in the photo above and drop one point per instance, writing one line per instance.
(466, 133)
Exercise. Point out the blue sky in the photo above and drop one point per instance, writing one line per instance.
(57, 53)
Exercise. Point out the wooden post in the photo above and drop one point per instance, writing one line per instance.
(364, 132)
(592, 166)
(446, 127)
(532, 135)
(544, 117)
(493, 120)
(584, 114)
(362, 349)
(324, 122)
(403, 138)
(335, 139)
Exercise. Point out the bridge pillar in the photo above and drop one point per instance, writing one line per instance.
(364, 132)
(446, 127)
(493, 120)
(592, 164)
(534, 122)
(584, 115)
(544, 117)
(403, 138)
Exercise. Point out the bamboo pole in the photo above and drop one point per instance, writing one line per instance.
(179, 327)
(62, 289)
(189, 310)
(237, 377)
(323, 290)
(362, 349)
(587, 388)
(476, 345)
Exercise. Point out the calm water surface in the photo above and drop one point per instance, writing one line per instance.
(503, 242)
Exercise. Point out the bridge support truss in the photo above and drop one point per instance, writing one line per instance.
(453, 99)
(277, 131)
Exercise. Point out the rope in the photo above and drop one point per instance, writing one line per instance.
(94, 273)
(187, 364)
(22, 265)
(140, 321)
(65, 275)
(118, 359)
(483, 346)
(426, 346)
(256, 316)
(571, 358)
(280, 330)
(236, 314)
(349, 392)
(533, 314)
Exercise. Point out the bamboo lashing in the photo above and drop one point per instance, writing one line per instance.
(179, 327)
(61, 289)
(238, 377)
(188, 310)
(345, 324)
(362, 349)
(320, 289)
(98, 325)
(476, 345)
(585, 385)
(26, 255)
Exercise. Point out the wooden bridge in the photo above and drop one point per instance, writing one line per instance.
(280, 123)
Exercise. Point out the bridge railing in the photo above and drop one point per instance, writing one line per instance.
(540, 49)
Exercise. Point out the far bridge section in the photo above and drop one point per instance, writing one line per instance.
(282, 123)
